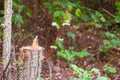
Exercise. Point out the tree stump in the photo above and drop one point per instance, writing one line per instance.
(30, 61)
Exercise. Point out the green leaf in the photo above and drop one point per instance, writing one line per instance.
(85, 18)
(1, 20)
(94, 18)
(58, 17)
(83, 53)
(110, 35)
(20, 8)
(74, 66)
(77, 70)
(16, 34)
(17, 19)
(67, 19)
(58, 13)
(28, 12)
(63, 55)
(96, 71)
(115, 42)
(51, 7)
(70, 5)
(103, 19)
(71, 35)
(41, 78)
(117, 3)
(54, 47)
(85, 78)
(98, 25)
(1, 32)
(78, 12)
(110, 69)
(117, 18)
(61, 3)
(98, 14)
(59, 43)
(71, 78)
(15, 4)
(102, 78)
(56, 25)
(106, 42)
(1, 12)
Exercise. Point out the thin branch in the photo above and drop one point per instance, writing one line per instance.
(106, 11)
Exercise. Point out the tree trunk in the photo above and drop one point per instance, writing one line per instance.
(30, 61)
(7, 35)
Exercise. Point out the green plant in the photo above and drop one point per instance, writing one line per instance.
(18, 10)
(97, 19)
(91, 17)
(117, 16)
(1, 21)
(110, 69)
(108, 44)
(18, 19)
(111, 41)
(70, 53)
(41, 78)
(71, 35)
(61, 11)
(87, 75)
(1, 18)
(67, 54)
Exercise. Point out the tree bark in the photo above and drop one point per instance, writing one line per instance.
(30, 61)
(7, 34)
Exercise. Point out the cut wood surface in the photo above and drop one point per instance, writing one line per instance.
(31, 57)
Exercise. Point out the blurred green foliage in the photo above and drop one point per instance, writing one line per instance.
(61, 11)
(67, 12)
(117, 17)
(110, 41)
(110, 69)
(70, 53)
(19, 8)
(87, 74)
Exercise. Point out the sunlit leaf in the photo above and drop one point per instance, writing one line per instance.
(54, 47)
(67, 19)
(55, 24)
(96, 71)
(78, 12)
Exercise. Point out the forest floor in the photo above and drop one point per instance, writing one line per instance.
(90, 41)
(57, 68)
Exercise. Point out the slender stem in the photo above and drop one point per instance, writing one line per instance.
(51, 50)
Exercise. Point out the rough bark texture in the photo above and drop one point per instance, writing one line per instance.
(7, 33)
(30, 61)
